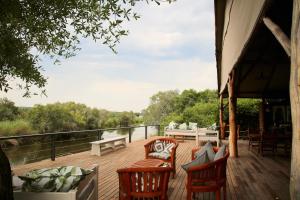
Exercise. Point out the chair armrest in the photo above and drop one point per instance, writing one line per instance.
(194, 150)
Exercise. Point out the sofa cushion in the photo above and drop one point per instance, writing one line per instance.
(163, 155)
(168, 147)
(220, 153)
(192, 126)
(172, 125)
(59, 179)
(158, 146)
(183, 126)
(201, 159)
(209, 149)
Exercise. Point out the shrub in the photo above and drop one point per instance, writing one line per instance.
(17, 127)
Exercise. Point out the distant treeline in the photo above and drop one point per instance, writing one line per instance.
(187, 106)
(201, 107)
(56, 117)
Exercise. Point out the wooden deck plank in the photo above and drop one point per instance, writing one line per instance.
(248, 177)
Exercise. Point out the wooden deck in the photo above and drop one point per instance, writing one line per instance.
(249, 176)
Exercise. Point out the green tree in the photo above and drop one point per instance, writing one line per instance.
(8, 110)
(31, 28)
(204, 114)
(186, 99)
(161, 105)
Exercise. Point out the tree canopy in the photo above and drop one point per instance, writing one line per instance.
(31, 28)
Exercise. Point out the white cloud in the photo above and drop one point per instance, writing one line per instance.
(161, 53)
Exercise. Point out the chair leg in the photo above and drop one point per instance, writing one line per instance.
(188, 195)
(218, 194)
(224, 192)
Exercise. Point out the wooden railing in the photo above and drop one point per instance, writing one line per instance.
(52, 138)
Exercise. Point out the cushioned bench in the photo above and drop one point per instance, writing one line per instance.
(107, 143)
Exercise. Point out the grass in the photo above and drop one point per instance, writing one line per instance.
(17, 127)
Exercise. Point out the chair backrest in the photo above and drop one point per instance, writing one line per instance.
(164, 140)
(143, 182)
(212, 171)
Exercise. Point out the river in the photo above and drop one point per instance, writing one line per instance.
(36, 151)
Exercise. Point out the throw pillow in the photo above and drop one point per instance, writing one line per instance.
(183, 126)
(201, 159)
(172, 125)
(158, 146)
(59, 179)
(168, 147)
(220, 153)
(192, 126)
(209, 149)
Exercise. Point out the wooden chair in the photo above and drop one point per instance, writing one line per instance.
(149, 148)
(209, 177)
(254, 136)
(141, 183)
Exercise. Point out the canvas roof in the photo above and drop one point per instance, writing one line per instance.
(244, 43)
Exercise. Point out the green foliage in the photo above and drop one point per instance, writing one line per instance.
(29, 29)
(248, 112)
(161, 105)
(200, 107)
(186, 99)
(73, 116)
(205, 114)
(178, 118)
(8, 110)
(17, 127)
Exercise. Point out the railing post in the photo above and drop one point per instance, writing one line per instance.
(129, 132)
(53, 147)
(99, 134)
(158, 129)
(146, 132)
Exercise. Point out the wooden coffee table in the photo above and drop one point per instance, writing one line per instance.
(148, 163)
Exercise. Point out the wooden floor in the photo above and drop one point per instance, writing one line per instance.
(249, 176)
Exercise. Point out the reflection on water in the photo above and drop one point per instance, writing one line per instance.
(37, 151)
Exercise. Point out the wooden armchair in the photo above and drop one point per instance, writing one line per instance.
(254, 136)
(209, 177)
(149, 148)
(141, 183)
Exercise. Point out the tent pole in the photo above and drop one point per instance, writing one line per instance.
(295, 102)
(233, 149)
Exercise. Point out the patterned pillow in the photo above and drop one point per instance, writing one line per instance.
(183, 126)
(209, 149)
(192, 126)
(172, 125)
(59, 179)
(201, 159)
(158, 146)
(168, 147)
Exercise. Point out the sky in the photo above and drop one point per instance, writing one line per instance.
(170, 47)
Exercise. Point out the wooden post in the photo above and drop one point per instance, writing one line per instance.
(279, 35)
(222, 129)
(146, 132)
(53, 147)
(262, 116)
(233, 151)
(129, 134)
(295, 102)
(6, 189)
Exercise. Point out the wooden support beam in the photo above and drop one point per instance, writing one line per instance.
(222, 125)
(295, 102)
(233, 149)
(262, 118)
(279, 35)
